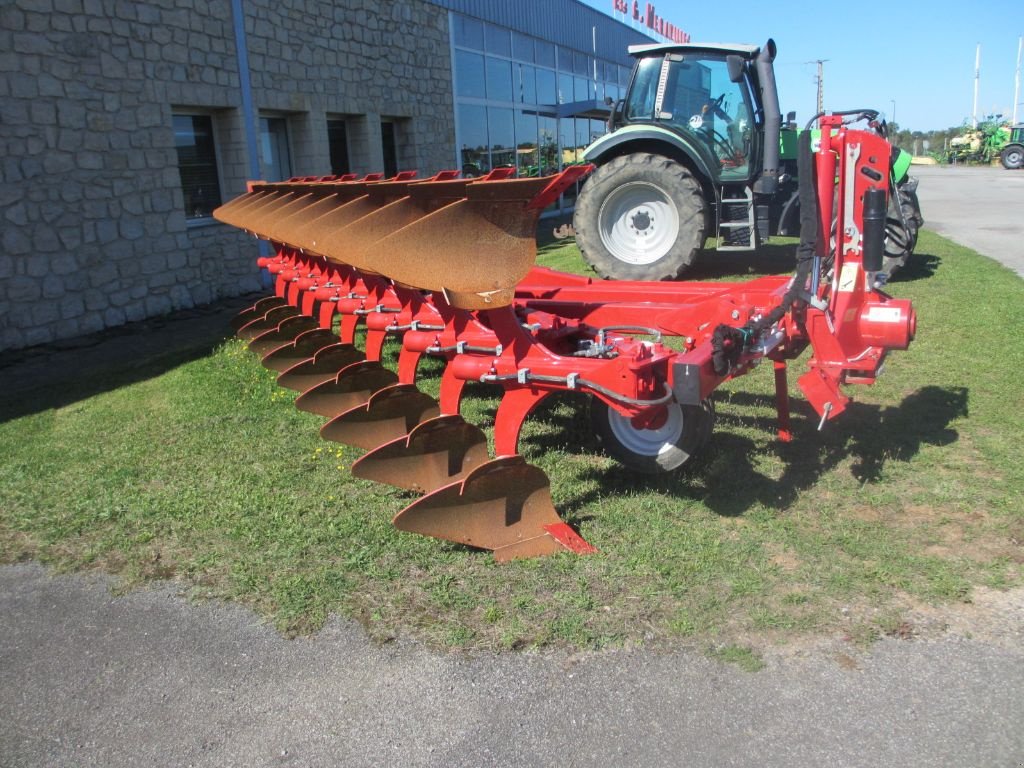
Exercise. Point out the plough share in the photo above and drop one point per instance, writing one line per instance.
(447, 266)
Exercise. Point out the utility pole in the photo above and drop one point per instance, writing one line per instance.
(977, 78)
(820, 80)
(1016, 81)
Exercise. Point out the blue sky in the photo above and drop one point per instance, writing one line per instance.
(918, 54)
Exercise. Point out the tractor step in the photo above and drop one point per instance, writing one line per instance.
(737, 222)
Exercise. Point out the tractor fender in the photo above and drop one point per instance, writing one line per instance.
(656, 140)
(900, 164)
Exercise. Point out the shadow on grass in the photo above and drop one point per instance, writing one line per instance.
(769, 259)
(56, 375)
(727, 480)
(710, 264)
(918, 267)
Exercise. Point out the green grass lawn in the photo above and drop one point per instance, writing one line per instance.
(205, 473)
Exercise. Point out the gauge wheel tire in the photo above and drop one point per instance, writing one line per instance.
(685, 432)
(641, 217)
(900, 240)
(1012, 157)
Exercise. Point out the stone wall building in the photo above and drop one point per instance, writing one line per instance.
(124, 123)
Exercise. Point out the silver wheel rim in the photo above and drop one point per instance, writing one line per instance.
(638, 222)
(1014, 157)
(648, 442)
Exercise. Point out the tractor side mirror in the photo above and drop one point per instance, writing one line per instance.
(791, 119)
(736, 65)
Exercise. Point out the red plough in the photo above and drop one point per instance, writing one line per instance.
(446, 265)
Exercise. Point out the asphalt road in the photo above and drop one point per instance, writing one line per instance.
(89, 678)
(982, 208)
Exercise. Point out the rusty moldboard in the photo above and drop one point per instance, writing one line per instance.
(301, 349)
(351, 386)
(391, 413)
(503, 505)
(436, 452)
(322, 366)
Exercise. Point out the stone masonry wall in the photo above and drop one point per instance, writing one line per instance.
(92, 226)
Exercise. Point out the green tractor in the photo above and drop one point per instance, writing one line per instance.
(697, 148)
(1012, 154)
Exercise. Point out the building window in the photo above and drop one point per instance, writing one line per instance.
(547, 91)
(197, 164)
(497, 41)
(499, 80)
(469, 75)
(389, 145)
(469, 33)
(522, 47)
(501, 136)
(337, 144)
(472, 122)
(277, 162)
(507, 99)
(527, 159)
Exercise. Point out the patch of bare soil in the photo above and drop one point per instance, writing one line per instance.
(994, 617)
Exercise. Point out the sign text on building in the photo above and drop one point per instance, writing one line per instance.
(651, 19)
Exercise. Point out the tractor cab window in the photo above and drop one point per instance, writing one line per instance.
(645, 87)
(699, 100)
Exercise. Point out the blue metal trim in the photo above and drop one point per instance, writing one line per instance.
(248, 113)
(245, 83)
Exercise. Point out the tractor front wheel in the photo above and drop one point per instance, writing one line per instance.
(678, 435)
(1012, 157)
(640, 217)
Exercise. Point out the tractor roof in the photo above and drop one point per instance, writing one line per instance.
(747, 51)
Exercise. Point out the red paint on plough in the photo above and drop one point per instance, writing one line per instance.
(446, 265)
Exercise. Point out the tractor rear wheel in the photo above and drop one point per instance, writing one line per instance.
(902, 222)
(678, 437)
(640, 217)
(1012, 157)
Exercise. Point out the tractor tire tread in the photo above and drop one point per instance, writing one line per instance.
(683, 188)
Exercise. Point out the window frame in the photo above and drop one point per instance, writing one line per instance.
(288, 131)
(192, 112)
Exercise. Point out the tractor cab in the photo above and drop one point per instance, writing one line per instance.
(707, 96)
